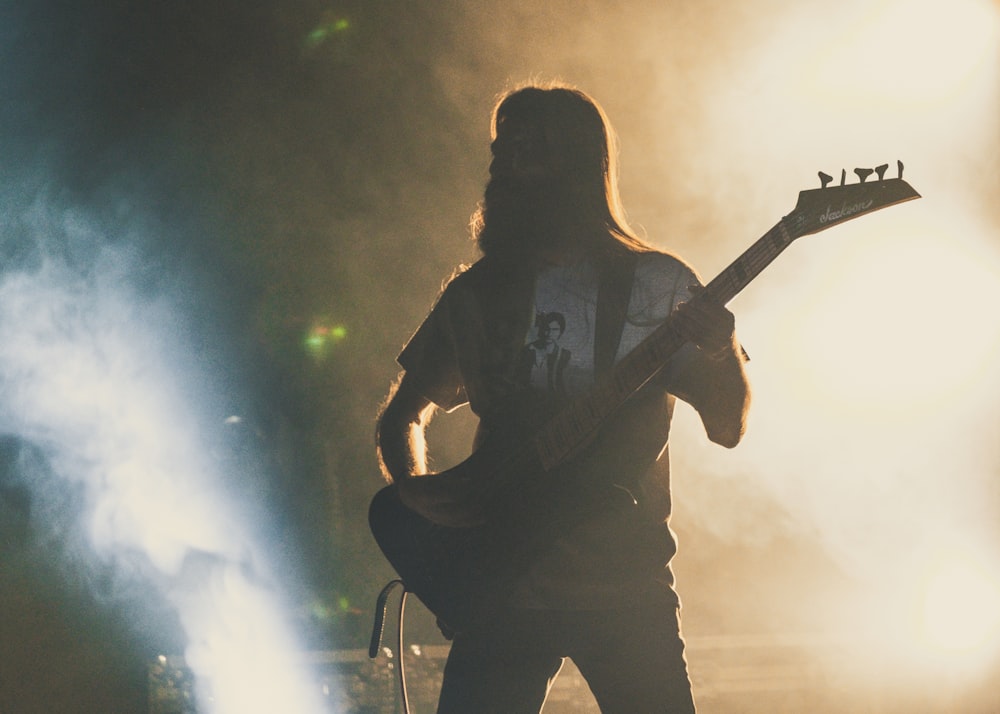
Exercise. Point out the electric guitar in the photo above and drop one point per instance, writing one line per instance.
(497, 506)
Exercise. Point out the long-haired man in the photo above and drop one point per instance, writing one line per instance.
(595, 583)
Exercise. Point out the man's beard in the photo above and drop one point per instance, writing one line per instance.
(525, 218)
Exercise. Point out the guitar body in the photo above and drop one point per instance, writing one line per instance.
(465, 572)
(458, 573)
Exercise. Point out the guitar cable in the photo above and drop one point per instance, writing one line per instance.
(375, 645)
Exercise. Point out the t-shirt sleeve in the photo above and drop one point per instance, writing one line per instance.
(662, 281)
(430, 357)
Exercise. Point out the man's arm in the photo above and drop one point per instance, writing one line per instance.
(716, 385)
(449, 498)
(399, 434)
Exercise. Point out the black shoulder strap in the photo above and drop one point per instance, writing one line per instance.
(613, 294)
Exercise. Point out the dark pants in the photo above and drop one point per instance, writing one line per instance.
(633, 660)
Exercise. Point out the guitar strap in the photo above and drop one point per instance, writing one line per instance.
(613, 294)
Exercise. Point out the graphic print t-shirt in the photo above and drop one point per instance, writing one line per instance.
(558, 355)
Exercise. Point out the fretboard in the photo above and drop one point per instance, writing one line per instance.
(574, 426)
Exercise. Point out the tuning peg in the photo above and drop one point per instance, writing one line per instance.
(880, 170)
(843, 176)
(863, 173)
(899, 169)
(824, 179)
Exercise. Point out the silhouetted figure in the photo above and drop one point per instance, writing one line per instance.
(581, 555)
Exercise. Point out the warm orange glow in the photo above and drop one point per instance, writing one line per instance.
(901, 55)
(880, 326)
(874, 346)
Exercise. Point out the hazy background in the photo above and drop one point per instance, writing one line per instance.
(221, 220)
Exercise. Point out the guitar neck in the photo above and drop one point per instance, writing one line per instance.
(574, 426)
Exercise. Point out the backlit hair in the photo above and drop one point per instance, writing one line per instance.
(581, 146)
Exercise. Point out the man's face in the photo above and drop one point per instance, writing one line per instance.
(519, 152)
(549, 331)
(528, 200)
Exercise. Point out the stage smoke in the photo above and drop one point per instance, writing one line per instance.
(102, 382)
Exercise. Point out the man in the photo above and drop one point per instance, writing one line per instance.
(597, 586)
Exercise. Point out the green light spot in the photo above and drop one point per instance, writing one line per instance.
(322, 336)
(323, 31)
(320, 611)
(315, 342)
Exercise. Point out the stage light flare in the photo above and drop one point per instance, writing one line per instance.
(330, 26)
(874, 345)
(103, 380)
(939, 615)
(84, 383)
(896, 319)
(322, 336)
(900, 54)
(862, 84)
(877, 334)
(253, 662)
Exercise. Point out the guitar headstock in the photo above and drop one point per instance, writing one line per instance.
(820, 208)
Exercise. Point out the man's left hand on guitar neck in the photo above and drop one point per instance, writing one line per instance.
(717, 388)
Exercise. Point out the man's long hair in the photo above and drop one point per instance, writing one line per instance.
(580, 200)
